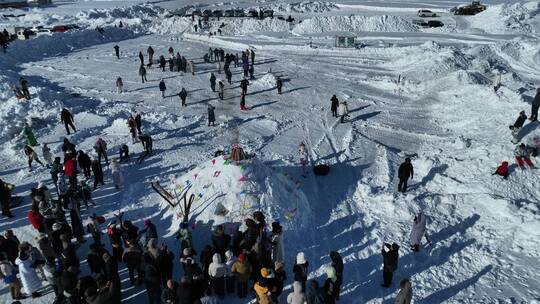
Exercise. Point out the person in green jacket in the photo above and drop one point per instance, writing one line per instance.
(30, 137)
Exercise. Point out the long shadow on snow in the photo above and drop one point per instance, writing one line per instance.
(446, 294)
(369, 278)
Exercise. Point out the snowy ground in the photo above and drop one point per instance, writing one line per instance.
(444, 115)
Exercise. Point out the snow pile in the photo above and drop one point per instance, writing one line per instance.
(306, 7)
(228, 192)
(267, 81)
(509, 18)
(133, 15)
(384, 23)
(171, 25)
(242, 26)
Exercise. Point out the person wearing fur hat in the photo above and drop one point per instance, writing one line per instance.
(300, 269)
(276, 239)
(242, 270)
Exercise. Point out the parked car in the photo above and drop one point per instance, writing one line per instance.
(229, 13)
(217, 13)
(472, 9)
(239, 13)
(24, 34)
(43, 31)
(60, 28)
(207, 13)
(419, 22)
(426, 13)
(268, 14)
(434, 23)
(253, 13)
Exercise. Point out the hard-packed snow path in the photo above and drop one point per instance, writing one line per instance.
(443, 114)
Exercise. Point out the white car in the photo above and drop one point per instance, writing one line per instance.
(426, 13)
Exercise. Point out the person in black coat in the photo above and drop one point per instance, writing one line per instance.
(279, 85)
(152, 281)
(67, 119)
(138, 122)
(162, 88)
(404, 172)
(117, 51)
(168, 294)
(337, 263)
(185, 292)
(243, 85)
(213, 82)
(165, 263)
(124, 153)
(67, 146)
(98, 173)
(221, 241)
(535, 106)
(516, 127)
(162, 63)
(84, 163)
(146, 141)
(211, 116)
(111, 268)
(183, 96)
(334, 105)
(5, 199)
(94, 259)
(390, 260)
(141, 58)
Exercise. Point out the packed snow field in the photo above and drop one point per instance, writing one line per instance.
(443, 113)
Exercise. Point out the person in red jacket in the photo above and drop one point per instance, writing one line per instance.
(70, 170)
(502, 170)
(36, 219)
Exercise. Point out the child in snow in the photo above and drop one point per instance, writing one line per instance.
(119, 85)
(502, 170)
(47, 155)
(162, 88)
(522, 155)
(516, 127)
(32, 155)
(117, 175)
(418, 231)
(343, 111)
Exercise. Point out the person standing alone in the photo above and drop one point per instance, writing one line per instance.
(67, 118)
(404, 172)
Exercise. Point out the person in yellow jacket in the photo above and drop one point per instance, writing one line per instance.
(262, 287)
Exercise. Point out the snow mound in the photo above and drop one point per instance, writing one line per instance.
(267, 81)
(306, 7)
(241, 26)
(133, 15)
(229, 192)
(384, 23)
(509, 18)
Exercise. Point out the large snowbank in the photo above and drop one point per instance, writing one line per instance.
(509, 18)
(354, 23)
(306, 7)
(133, 15)
(228, 192)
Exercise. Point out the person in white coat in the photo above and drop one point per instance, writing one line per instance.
(230, 278)
(343, 110)
(117, 175)
(47, 155)
(217, 272)
(29, 278)
(418, 231)
(297, 296)
(405, 293)
(276, 239)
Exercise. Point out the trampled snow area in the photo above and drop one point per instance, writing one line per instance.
(443, 113)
